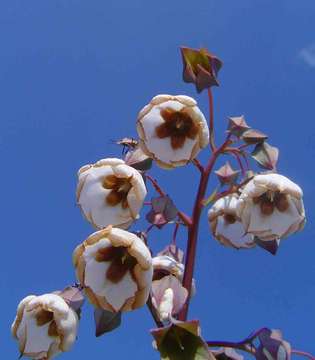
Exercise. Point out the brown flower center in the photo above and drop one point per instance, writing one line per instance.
(121, 262)
(119, 190)
(271, 200)
(229, 218)
(178, 125)
(160, 274)
(44, 317)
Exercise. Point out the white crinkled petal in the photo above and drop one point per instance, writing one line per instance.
(116, 295)
(235, 233)
(274, 182)
(69, 326)
(37, 339)
(227, 204)
(166, 305)
(50, 302)
(276, 224)
(167, 263)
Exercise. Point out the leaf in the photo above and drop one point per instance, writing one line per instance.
(237, 125)
(211, 198)
(252, 136)
(163, 211)
(138, 160)
(226, 174)
(271, 246)
(266, 156)
(106, 321)
(73, 297)
(181, 341)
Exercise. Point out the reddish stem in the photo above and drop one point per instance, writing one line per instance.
(175, 233)
(229, 344)
(303, 353)
(194, 228)
(198, 165)
(238, 159)
(185, 218)
(211, 120)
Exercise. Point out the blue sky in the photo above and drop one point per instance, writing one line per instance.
(74, 74)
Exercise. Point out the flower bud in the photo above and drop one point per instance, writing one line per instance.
(200, 67)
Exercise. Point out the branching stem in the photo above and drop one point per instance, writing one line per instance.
(194, 228)
(184, 217)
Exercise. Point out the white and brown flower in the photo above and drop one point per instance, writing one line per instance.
(110, 192)
(226, 226)
(172, 130)
(168, 294)
(44, 326)
(115, 268)
(271, 207)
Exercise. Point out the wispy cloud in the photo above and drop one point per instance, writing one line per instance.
(307, 54)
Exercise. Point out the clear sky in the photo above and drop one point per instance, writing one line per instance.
(74, 74)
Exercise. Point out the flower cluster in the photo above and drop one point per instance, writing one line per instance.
(115, 267)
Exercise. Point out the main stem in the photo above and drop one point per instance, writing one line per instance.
(211, 120)
(193, 230)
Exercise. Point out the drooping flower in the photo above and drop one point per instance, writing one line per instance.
(172, 130)
(115, 268)
(272, 346)
(271, 207)
(110, 192)
(226, 226)
(44, 326)
(168, 294)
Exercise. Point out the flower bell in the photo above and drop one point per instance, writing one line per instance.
(110, 192)
(271, 207)
(115, 268)
(44, 326)
(226, 225)
(172, 130)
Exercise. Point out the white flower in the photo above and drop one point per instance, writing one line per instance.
(44, 326)
(271, 207)
(172, 130)
(110, 193)
(115, 267)
(168, 294)
(226, 226)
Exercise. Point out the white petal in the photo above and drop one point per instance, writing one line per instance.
(274, 182)
(117, 294)
(186, 100)
(167, 263)
(276, 224)
(37, 339)
(166, 305)
(234, 232)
